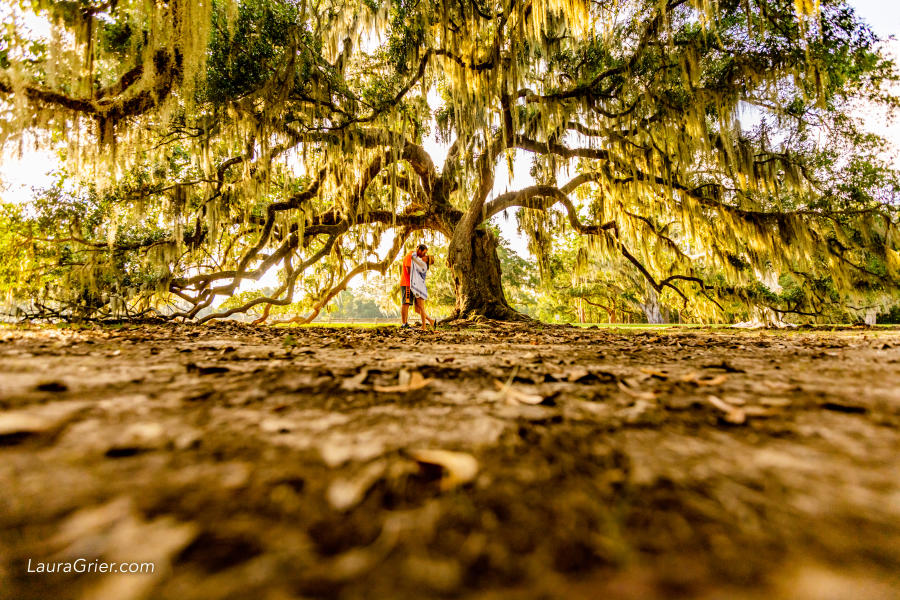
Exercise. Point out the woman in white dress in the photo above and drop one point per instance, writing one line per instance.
(417, 272)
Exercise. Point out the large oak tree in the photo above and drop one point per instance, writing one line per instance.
(706, 144)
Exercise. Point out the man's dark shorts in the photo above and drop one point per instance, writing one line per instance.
(406, 296)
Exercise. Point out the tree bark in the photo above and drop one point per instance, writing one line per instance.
(479, 290)
(652, 308)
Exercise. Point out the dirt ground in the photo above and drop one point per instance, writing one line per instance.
(482, 462)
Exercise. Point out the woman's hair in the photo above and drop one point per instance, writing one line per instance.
(422, 247)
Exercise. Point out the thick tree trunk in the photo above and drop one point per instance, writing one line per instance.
(479, 291)
(652, 308)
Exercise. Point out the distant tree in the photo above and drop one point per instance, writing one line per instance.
(890, 316)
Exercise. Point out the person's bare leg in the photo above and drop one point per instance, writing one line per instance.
(404, 313)
(420, 308)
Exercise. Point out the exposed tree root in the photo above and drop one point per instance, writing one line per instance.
(493, 312)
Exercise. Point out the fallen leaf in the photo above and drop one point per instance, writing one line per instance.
(461, 467)
(137, 438)
(635, 413)
(42, 419)
(778, 386)
(733, 414)
(355, 382)
(575, 374)
(515, 396)
(339, 451)
(713, 381)
(635, 393)
(345, 493)
(775, 401)
(761, 411)
(654, 373)
(736, 401)
(414, 382)
(725, 366)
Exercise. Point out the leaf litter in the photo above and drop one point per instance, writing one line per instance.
(353, 465)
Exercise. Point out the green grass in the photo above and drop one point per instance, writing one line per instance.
(641, 325)
(634, 327)
(334, 325)
(76, 326)
(371, 325)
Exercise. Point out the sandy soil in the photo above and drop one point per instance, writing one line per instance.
(480, 462)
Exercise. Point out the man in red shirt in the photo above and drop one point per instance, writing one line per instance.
(407, 298)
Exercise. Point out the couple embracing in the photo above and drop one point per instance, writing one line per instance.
(412, 285)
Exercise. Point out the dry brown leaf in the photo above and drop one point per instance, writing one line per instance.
(777, 386)
(635, 393)
(515, 396)
(461, 467)
(355, 382)
(654, 373)
(717, 380)
(138, 437)
(691, 377)
(775, 401)
(733, 414)
(523, 397)
(761, 411)
(576, 373)
(414, 382)
(40, 419)
(345, 493)
(635, 413)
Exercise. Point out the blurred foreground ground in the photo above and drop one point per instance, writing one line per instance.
(483, 462)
